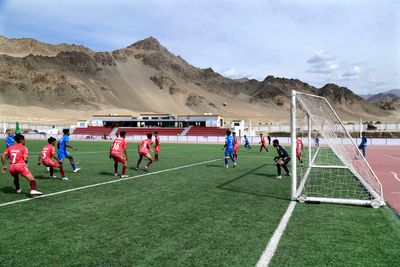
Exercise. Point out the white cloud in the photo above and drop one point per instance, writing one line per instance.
(353, 72)
(320, 56)
(322, 62)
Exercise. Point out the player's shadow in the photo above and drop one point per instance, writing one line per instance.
(106, 173)
(41, 177)
(224, 186)
(8, 190)
(214, 165)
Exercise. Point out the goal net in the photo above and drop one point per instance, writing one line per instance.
(330, 167)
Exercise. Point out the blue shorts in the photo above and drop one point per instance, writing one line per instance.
(228, 152)
(63, 154)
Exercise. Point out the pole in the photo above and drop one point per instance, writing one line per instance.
(293, 143)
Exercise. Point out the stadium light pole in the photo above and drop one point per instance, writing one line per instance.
(293, 143)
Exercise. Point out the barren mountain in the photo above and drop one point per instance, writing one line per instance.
(144, 77)
(386, 101)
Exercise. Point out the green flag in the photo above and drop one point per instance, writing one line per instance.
(17, 128)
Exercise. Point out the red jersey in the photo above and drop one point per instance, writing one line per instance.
(17, 153)
(263, 140)
(157, 141)
(48, 152)
(299, 145)
(236, 142)
(118, 144)
(145, 146)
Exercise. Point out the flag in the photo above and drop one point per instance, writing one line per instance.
(17, 128)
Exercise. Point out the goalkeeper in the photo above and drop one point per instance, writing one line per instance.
(282, 159)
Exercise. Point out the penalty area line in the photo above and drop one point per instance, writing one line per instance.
(272, 245)
(395, 176)
(105, 183)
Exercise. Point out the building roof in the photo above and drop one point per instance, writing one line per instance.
(200, 115)
(111, 115)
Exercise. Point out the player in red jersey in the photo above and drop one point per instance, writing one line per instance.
(119, 145)
(235, 146)
(299, 148)
(18, 155)
(156, 146)
(46, 156)
(263, 143)
(144, 151)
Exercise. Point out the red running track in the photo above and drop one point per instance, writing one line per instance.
(385, 161)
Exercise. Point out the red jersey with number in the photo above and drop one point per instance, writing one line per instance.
(299, 146)
(145, 146)
(117, 146)
(48, 152)
(17, 153)
(157, 141)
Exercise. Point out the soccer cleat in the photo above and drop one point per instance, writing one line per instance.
(77, 169)
(64, 179)
(124, 176)
(288, 174)
(48, 169)
(226, 166)
(234, 165)
(116, 174)
(136, 168)
(146, 168)
(19, 191)
(279, 177)
(54, 176)
(36, 193)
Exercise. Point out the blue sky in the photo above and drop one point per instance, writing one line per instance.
(353, 43)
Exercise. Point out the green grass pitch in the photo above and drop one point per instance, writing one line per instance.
(203, 215)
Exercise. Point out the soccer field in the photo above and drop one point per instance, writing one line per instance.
(188, 211)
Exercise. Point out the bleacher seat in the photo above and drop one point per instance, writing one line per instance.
(206, 131)
(92, 130)
(146, 130)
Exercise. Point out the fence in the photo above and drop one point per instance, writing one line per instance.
(254, 140)
(349, 127)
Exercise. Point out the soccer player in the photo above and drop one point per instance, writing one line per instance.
(317, 140)
(116, 148)
(363, 144)
(263, 143)
(157, 146)
(144, 151)
(299, 148)
(269, 139)
(246, 143)
(282, 159)
(46, 156)
(62, 150)
(235, 146)
(229, 144)
(18, 155)
(9, 139)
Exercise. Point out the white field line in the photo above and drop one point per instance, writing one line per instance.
(269, 251)
(395, 176)
(105, 183)
(393, 157)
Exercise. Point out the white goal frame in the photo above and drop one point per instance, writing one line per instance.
(376, 196)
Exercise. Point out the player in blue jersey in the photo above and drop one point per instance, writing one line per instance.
(9, 139)
(229, 144)
(62, 150)
(363, 145)
(246, 143)
(282, 159)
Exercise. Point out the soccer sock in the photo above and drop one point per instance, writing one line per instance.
(73, 165)
(62, 171)
(123, 170)
(286, 169)
(232, 158)
(278, 168)
(226, 160)
(16, 183)
(156, 157)
(116, 167)
(32, 183)
(51, 171)
(149, 163)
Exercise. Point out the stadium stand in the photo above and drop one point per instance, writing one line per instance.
(145, 130)
(206, 131)
(92, 130)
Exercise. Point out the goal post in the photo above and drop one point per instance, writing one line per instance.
(329, 168)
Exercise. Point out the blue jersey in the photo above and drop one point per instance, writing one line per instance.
(63, 142)
(246, 140)
(229, 143)
(10, 140)
(363, 141)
